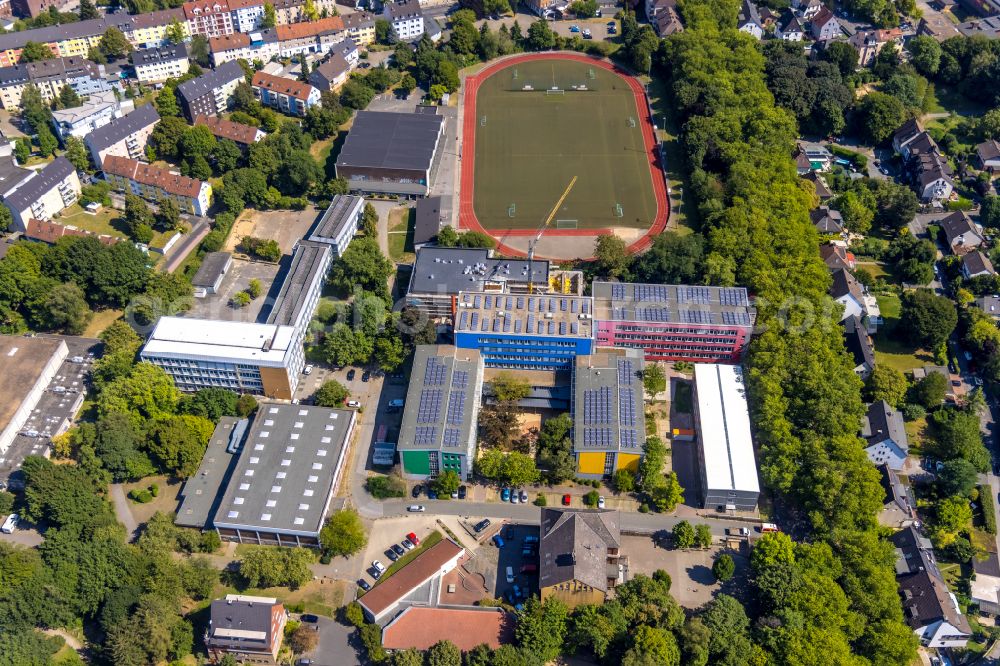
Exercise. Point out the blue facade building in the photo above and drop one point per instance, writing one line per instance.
(525, 332)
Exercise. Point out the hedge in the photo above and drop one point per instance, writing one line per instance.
(989, 512)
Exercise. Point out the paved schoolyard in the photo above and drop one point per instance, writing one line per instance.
(285, 226)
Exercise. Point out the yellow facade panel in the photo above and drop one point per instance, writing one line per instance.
(629, 461)
(590, 463)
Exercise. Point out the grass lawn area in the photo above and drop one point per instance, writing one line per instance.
(401, 235)
(915, 434)
(102, 319)
(317, 596)
(685, 220)
(890, 306)
(878, 270)
(899, 355)
(102, 222)
(431, 539)
(66, 656)
(950, 100)
(320, 150)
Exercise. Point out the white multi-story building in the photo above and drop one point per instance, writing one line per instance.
(339, 223)
(156, 65)
(210, 18)
(125, 136)
(45, 194)
(241, 356)
(287, 95)
(247, 15)
(96, 112)
(406, 18)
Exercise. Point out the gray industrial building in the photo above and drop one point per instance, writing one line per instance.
(270, 481)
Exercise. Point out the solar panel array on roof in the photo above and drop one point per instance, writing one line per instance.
(429, 410)
(598, 437)
(651, 292)
(733, 297)
(626, 372)
(695, 295)
(597, 406)
(653, 314)
(451, 437)
(435, 373)
(460, 379)
(456, 407)
(697, 317)
(626, 408)
(618, 290)
(424, 434)
(628, 438)
(736, 318)
(463, 319)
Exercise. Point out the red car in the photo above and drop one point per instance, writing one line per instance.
(413, 539)
(566, 500)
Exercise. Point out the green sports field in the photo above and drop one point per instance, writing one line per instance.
(530, 144)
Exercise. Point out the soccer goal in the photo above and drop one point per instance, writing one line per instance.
(631, 122)
(567, 224)
(618, 210)
(512, 210)
(482, 121)
(555, 91)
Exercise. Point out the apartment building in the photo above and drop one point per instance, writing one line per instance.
(209, 94)
(31, 8)
(360, 27)
(128, 175)
(240, 356)
(124, 137)
(96, 112)
(149, 30)
(209, 18)
(240, 134)
(286, 95)
(248, 628)
(286, 41)
(293, 11)
(674, 322)
(406, 18)
(156, 65)
(45, 194)
(50, 76)
(331, 74)
(247, 15)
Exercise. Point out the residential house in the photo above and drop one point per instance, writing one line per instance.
(580, 560)
(929, 607)
(985, 584)
(208, 18)
(360, 27)
(331, 74)
(870, 43)
(807, 8)
(246, 15)
(125, 136)
(836, 257)
(990, 305)
(287, 95)
(823, 190)
(975, 264)
(827, 220)
(819, 156)
(749, 21)
(248, 628)
(96, 112)
(149, 30)
(906, 134)
(50, 76)
(898, 508)
(156, 65)
(240, 134)
(789, 28)
(961, 233)
(885, 434)
(988, 27)
(926, 168)
(51, 232)
(824, 25)
(45, 194)
(209, 94)
(420, 627)
(128, 175)
(855, 298)
(859, 345)
(988, 155)
(11, 175)
(665, 17)
(287, 12)
(406, 18)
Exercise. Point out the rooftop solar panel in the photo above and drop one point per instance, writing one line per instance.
(625, 372)
(451, 437)
(597, 406)
(735, 318)
(618, 290)
(696, 316)
(429, 409)
(489, 302)
(424, 434)
(475, 321)
(456, 407)
(435, 372)
(460, 379)
(628, 438)
(463, 320)
(517, 325)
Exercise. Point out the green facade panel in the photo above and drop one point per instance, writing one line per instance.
(416, 462)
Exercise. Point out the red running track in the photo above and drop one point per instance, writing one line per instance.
(466, 211)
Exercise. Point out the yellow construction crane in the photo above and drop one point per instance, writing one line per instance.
(541, 230)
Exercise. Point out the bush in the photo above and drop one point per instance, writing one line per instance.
(663, 578)
(723, 568)
(540, 500)
(595, 483)
(140, 496)
(210, 542)
(590, 499)
(382, 487)
(912, 412)
(989, 512)
(154, 490)
(960, 204)
(644, 508)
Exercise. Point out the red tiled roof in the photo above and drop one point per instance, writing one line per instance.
(281, 85)
(308, 28)
(410, 577)
(227, 129)
(50, 232)
(226, 42)
(241, 4)
(146, 174)
(207, 7)
(421, 627)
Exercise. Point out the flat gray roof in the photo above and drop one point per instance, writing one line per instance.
(338, 215)
(525, 314)
(309, 262)
(449, 270)
(119, 128)
(157, 55)
(391, 140)
(201, 492)
(428, 220)
(287, 469)
(442, 399)
(212, 266)
(608, 412)
(24, 359)
(221, 75)
(672, 304)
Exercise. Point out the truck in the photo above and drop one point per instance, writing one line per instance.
(737, 531)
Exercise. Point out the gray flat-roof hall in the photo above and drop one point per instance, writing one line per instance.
(391, 152)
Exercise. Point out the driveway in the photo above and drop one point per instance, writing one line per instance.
(122, 510)
(334, 648)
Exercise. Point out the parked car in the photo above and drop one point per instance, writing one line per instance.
(396, 548)
(531, 538)
(524, 497)
(365, 376)
(308, 617)
(408, 545)
(498, 541)
(413, 539)
(350, 374)
(391, 555)
(416, 508)
(566, 500)
(574, 28)
(417, 489)
(738, 531)
(600, 502)
(10, 524)
(587, 34)
(462, 492)
(510, 574)
(514, 497)
(529, 568)
(431, 493)
(354, 403)
(378, 566)
(505, 495)
(374, 573)
(364, 585)
(307, 370)
(481, 525)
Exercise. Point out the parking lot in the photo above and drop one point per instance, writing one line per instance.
(55, 410)
(519, 553)
(217, 306)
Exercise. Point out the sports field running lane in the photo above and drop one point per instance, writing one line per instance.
(467, 214)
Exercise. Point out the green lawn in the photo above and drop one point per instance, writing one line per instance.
(401, 222)
(531, 146)
(105, 221)
(899, 355)
(684, 220)
(915, 435)
(877, 270)
(889, 305)
(429, 541)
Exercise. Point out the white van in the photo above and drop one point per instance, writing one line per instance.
(10, 524)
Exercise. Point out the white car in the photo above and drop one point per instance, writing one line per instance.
(510, 574)
(416, 508)
(354, 403)
(308, 370)
(10, 524)
(378, 566)
(600, 502)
